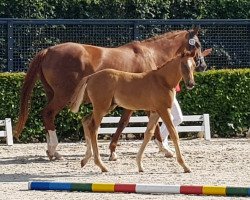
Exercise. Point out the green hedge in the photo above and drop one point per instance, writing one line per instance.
(125, 9)
(224, 94)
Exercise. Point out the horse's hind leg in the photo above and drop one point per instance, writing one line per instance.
(121, 125)
(48, 120)
(48, 115)
(153, 120)
(166, 117)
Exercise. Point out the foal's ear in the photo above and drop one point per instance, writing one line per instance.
(192, 53)
(207, 52)
(189, 53)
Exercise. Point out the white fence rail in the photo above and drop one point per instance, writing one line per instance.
(204, 127)
(7, 132)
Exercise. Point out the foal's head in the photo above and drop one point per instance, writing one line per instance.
(188, 66)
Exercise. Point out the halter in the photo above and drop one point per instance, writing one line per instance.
(191, 42)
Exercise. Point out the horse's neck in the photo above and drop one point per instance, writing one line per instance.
(170, 73)
(166, 48)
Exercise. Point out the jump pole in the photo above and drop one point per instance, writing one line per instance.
(140, 188)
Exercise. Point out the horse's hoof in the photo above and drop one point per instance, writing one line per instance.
(141, 170)
(58, 156)
(16, 139)
(113, 157)
(49, 156)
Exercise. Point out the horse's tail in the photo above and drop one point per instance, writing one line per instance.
(28, 85)
(78, 95)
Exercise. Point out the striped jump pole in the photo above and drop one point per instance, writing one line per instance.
(140, 188)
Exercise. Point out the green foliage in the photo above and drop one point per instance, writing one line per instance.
(224, 94)
(125, 9)
(35, 9)
(228, 9)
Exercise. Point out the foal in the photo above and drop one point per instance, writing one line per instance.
(152, 91)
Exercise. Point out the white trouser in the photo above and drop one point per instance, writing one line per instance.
(176, 115)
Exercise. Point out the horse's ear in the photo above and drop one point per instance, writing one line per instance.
(192, 53)
(207, 52)
(196, 29)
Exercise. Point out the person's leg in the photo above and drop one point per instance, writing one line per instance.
(177, 118)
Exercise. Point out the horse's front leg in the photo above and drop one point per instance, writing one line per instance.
(153, 120)
(166, 117)
(121, 125)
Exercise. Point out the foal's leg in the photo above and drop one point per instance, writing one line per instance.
(88, 152)
(159, 141)
(153, 120)
(93, 125)
(166, 117)
(121, 125)
(157, 133)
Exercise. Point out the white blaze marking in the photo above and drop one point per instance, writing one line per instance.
(190, 63)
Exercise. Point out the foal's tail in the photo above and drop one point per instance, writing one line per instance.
(78, 95)
(28, 85)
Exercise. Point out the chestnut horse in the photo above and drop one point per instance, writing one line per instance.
(61, 67)
(152, 91)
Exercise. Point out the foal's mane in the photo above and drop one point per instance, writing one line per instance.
(165, 63)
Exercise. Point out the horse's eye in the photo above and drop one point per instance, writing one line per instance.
(197, 45)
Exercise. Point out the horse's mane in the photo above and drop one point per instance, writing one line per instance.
(167, 35)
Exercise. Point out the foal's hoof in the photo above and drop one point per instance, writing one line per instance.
(187, 170)
(141, 170)
(104, 169)
(83, 162)
(113, 157)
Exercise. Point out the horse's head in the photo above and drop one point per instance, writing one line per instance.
(194, 43)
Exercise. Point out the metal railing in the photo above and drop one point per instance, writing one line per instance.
(21, 39)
